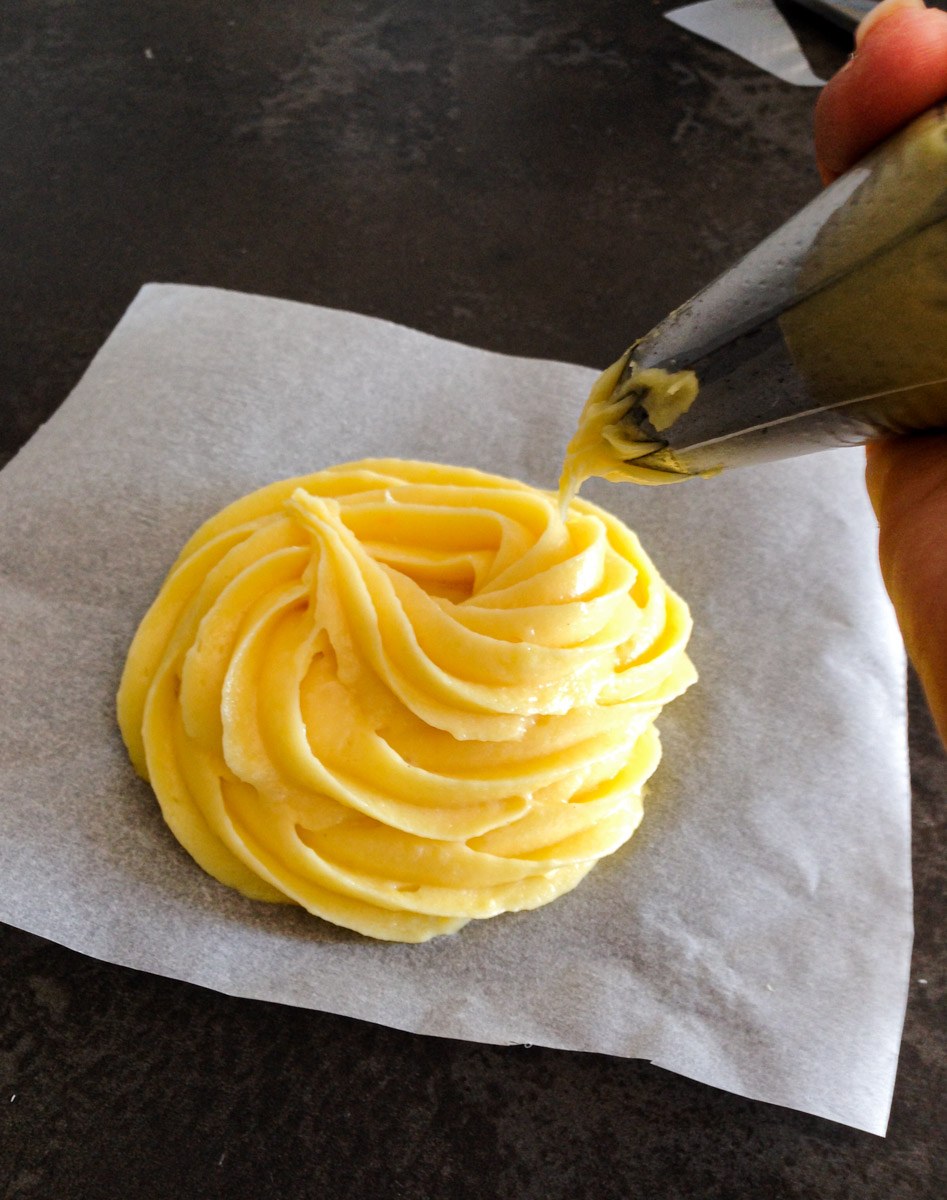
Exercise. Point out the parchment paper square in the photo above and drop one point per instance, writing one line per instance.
(755, 933)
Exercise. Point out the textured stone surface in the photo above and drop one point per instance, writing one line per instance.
(544, 178)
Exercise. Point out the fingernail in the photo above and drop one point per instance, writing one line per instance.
(880, 13)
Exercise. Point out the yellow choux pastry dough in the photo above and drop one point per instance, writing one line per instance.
(404, 695)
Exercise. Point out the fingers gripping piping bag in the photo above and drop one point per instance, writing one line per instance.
(831, 332)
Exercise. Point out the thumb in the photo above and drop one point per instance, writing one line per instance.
(899, 71)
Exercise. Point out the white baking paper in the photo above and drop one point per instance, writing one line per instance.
(755, 30)
(756, 931)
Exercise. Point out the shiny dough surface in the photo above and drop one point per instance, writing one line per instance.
(404, 695)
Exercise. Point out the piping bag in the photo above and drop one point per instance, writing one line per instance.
(831, 332)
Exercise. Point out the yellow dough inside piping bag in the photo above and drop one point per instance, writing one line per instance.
(607, 445)
(404, 695)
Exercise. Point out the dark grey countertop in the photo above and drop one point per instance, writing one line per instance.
(544, 178)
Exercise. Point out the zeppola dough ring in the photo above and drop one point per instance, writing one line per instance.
(404, 695)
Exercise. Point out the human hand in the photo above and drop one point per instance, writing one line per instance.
(899, 70)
